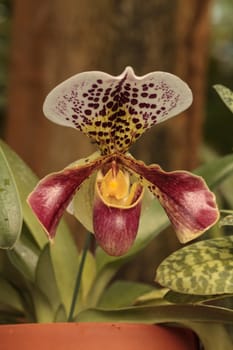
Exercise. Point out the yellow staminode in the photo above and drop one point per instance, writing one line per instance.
(115, 188)
(115, 185)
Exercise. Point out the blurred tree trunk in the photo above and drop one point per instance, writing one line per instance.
(51, 40)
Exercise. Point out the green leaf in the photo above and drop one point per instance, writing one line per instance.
(88, 275)
(45, 279)
(182, 298)
(202, 268)
(225, 301)
(43, 309)
(25, 181)
(213, 336)
(65, 262)
(152, 298)
(9, 296)
(64, 254)
(159, 314)
(60, 315)
(24, 256)
(225, 189)
(122, 294)
(226, 181)
(10, 208)
(226, 95)
(10, 317)
(217, 170)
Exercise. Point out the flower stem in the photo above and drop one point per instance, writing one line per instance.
(79, 277)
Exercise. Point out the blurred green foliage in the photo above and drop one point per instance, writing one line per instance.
(218, 129)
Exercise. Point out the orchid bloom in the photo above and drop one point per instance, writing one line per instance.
(115, 111)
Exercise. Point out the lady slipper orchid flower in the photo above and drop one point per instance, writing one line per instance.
(115, 111)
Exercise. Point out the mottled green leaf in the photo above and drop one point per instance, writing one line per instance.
(226, 221)
(202, 268)
(122, 294)
(226, 95)
(11, 217)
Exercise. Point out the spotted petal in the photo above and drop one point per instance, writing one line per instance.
(115, 111)
(189, 204)
(53, 193)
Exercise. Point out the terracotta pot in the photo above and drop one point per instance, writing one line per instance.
(95, 336)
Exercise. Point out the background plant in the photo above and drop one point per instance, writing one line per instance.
(37, 279)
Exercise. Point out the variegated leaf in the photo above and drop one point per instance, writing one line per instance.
(203, 268)
(226, 95)
(226, 221)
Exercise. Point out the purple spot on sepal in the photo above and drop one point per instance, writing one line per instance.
(97, 95)
(134, 101)
(152, 95)
(105, 99)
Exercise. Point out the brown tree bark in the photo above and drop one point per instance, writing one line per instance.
(193, 29)
(52, 40)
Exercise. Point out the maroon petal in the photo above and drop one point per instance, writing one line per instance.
(53, 193)
(189, 204)
(115, 228)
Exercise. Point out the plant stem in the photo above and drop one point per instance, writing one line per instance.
(79, 277)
